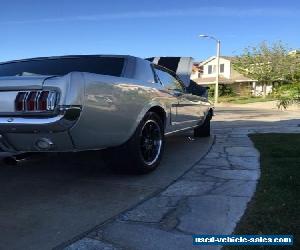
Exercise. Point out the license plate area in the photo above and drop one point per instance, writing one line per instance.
(7, 101)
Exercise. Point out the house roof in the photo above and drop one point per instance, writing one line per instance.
(197, 62)
(213, 57)
(210, 80)
(228, 57)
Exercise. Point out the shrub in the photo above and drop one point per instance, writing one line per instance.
(287, 94)
(224, 90)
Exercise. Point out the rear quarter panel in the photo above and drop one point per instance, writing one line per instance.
(113, 108)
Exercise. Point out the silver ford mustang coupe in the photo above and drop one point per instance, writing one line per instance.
(123, 104)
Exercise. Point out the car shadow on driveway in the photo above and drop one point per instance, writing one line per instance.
(54, 197)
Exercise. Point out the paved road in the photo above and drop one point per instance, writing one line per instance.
(253, 117)
(51, 200)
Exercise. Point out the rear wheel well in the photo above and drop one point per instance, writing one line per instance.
(160, 112)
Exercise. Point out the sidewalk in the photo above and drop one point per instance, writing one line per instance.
(271, 105)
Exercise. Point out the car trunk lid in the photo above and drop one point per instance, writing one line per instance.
(13, 83)
(10, 86)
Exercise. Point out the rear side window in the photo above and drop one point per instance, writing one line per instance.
(170, 82)
(61, 66)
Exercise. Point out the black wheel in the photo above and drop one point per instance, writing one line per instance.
(143, 151)
(203, 130)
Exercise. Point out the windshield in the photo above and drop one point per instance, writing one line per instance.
(61, 66)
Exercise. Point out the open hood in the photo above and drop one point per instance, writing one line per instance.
(182, 66)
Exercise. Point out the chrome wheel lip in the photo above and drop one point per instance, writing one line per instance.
(157, 141)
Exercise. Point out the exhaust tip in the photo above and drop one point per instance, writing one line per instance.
(15, 160)
(10, 160)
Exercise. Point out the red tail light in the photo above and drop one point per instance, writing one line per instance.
(36, 101)
(31, 101)
(19, 102)
(42, 102)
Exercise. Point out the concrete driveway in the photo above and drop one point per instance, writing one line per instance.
(57, 200)
(208, 199)
(51, 200)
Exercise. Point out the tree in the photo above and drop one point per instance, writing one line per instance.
(267, 64)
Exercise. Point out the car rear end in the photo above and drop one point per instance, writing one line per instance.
(38, 108)
(69, 103)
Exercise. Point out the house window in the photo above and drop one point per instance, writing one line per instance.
(209, 69)
(200, 72)
(222, 68)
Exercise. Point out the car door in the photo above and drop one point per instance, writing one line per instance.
(172, 97)
(189, 109)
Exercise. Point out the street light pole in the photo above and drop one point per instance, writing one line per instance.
(218, 65)
(218, 71)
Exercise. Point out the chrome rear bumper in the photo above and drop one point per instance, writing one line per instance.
(65, 119)
(21, 134)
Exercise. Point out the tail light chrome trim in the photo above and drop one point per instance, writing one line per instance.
(51, 100)
(36, 101)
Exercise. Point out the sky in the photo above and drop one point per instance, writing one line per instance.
(143, 28)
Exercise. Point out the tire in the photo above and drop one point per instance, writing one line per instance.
(204, 129)
(142, 153)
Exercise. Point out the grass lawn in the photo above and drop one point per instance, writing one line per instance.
(244, 99)
(275, 208)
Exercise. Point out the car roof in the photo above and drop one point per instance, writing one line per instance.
(69, 56)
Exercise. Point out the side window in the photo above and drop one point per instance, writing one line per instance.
(169, 81)
(222, 68)
(143, 71)
(209, 69)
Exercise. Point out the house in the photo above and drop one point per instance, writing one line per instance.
(204, 73)
(294, 52)
(196, 70)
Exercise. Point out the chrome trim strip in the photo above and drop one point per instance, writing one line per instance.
(25, 100)
(180, 130)
(29, 121)
(37, 97)
(51, 100)
(183, 122)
